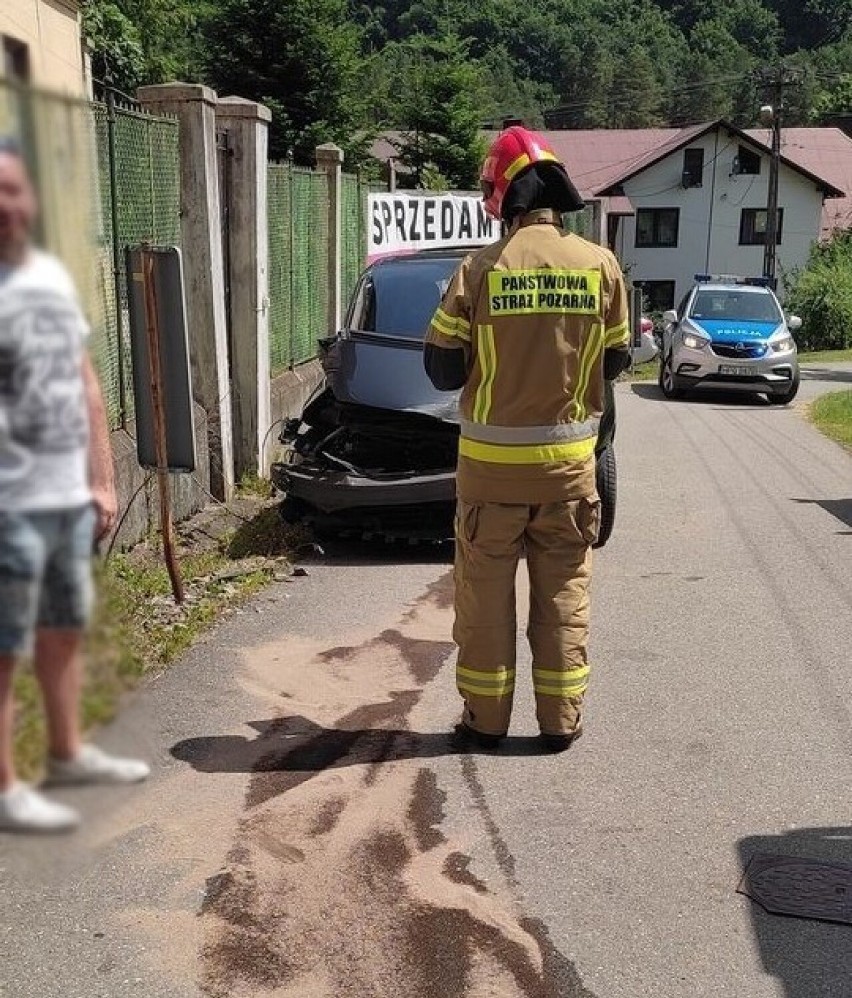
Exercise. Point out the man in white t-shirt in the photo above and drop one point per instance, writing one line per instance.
(57, 498)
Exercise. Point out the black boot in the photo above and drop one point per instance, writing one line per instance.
(560, 743)
(467, 736)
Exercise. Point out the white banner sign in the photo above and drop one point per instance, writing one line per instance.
(405, 222)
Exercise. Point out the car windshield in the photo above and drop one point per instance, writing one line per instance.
(401, 297)
(735, 305)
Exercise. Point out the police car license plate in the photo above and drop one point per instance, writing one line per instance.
(737, 369)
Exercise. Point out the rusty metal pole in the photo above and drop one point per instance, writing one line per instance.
(152, 327)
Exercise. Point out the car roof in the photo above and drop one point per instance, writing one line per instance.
(423, 256)
(704, 286)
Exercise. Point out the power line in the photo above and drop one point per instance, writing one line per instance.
(673, 187)
(628, 100)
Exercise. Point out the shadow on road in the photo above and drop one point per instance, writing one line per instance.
(299, 746)
(825, 374)
(703, 396)
(840, 508)
(810, 959)
(647, 390)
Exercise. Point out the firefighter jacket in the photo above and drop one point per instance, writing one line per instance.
(528, 320)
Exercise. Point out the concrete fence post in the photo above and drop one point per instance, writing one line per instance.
(247, 125)
(330, 159)
(201, 235)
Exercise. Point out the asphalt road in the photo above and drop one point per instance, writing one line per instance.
(311, 831)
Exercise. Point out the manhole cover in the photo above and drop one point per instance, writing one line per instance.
(805, 888)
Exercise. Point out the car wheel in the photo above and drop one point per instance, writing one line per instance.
(607, 482)
(670, 384)
(788, 396)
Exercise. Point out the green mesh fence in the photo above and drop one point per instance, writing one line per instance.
(309, 206)
(298, 263)
(280, 269)
(139, 182)
(353, 232)
(106, 345)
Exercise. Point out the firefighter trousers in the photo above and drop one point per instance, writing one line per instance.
(490, 540)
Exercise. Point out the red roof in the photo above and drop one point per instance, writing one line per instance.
(826, 152)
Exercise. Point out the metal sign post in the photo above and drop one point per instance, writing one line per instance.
(155, 375)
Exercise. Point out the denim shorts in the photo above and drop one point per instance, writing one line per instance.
(45, 573)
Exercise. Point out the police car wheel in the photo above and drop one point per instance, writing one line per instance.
(607, 482)
(788, 396)
(670, 384)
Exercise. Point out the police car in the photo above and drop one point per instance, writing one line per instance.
(730, 333)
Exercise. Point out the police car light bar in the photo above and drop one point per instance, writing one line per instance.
(758, 282)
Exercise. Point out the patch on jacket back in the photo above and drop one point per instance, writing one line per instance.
(544, 291)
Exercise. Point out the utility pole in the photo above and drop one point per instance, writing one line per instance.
(772, 115)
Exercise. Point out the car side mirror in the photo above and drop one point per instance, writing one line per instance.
(794, 323)
(670, 317)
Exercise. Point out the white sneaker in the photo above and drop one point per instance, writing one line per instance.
(23, 809)
(93, 765)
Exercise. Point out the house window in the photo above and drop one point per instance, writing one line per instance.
(747, 162)
(753, 226)
(693, 167)
(657, 227)
(658, 296)
(16, 60)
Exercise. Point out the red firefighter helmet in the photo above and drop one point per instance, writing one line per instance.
(513, 152)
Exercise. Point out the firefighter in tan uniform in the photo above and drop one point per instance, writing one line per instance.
(529, 328)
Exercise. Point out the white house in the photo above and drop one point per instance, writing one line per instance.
(697, 204)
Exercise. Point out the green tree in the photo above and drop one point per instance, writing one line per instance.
(821, 293)
(303, 60)
(116, 46)
(439, 95)
(809, 24)
(143, 41)
(715, 77)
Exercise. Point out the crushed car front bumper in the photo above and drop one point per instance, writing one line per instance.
(331, 490)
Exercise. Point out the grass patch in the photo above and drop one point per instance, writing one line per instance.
(252, 484)
(138, 629)
(832, 414)
(643, 372)
(825, 356)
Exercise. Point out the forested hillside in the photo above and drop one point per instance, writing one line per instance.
(344, 69)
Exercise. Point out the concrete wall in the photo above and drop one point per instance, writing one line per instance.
(290, 391)
(708, 240)
(51, 29)
(189, 492)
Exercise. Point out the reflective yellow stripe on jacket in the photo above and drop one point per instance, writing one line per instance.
(617, 335)
(488, 366)
(591, 351)
(453, 326)
(579, 450)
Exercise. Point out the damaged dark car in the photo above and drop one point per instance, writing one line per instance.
(374, 452)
